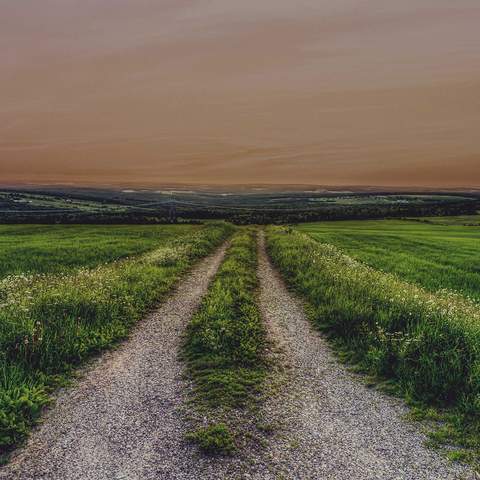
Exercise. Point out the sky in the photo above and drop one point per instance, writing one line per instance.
(328, 92)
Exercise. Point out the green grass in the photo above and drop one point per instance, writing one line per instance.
(214, 439)
(51, 323)
(427, 343)
(465, 220)
(61, 248)
(432, 256)
(224, 344)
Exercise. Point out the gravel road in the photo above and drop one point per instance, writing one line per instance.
(123, 420)
(335, 427)
(126, 418)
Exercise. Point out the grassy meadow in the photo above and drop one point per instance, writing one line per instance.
(466, 220)
(426, 344)
(51, 322)
(26, 249)
(434, 256)
(224, 345)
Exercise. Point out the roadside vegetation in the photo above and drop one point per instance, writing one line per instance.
(426, 345)
(433, 256)
(50, 323)
(224, 348)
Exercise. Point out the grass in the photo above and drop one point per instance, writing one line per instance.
(433, 256)
(465, 220)
(51, 323)
(28, 249)
(224, 344)
(427, 343)
(214, 439)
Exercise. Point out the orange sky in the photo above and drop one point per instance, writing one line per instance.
(251, 91)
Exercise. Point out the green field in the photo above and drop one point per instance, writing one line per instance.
(28, 249)
(51, 323)
(466, 220)
(430, 255)
(37, 203)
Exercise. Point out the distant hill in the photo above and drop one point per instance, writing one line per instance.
(241, 204)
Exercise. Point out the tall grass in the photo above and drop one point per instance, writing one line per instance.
(224, 344)
(429, 343)
(51, 323)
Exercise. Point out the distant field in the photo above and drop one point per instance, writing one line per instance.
(467, 220)
(253, 205)
(98, 201)
(433, 256)
(59, 248)
(38, 203)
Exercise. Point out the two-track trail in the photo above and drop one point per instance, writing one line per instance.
(123, 419)
(335, 427)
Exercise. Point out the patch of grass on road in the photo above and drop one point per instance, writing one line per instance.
(225, 341)
(214, 439)
(428, 343)
(51, 323)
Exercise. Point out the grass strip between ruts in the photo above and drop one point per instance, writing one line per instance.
(224, 346)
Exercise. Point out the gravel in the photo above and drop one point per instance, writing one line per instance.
(335, 427)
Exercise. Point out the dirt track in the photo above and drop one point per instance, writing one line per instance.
(124, 419)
